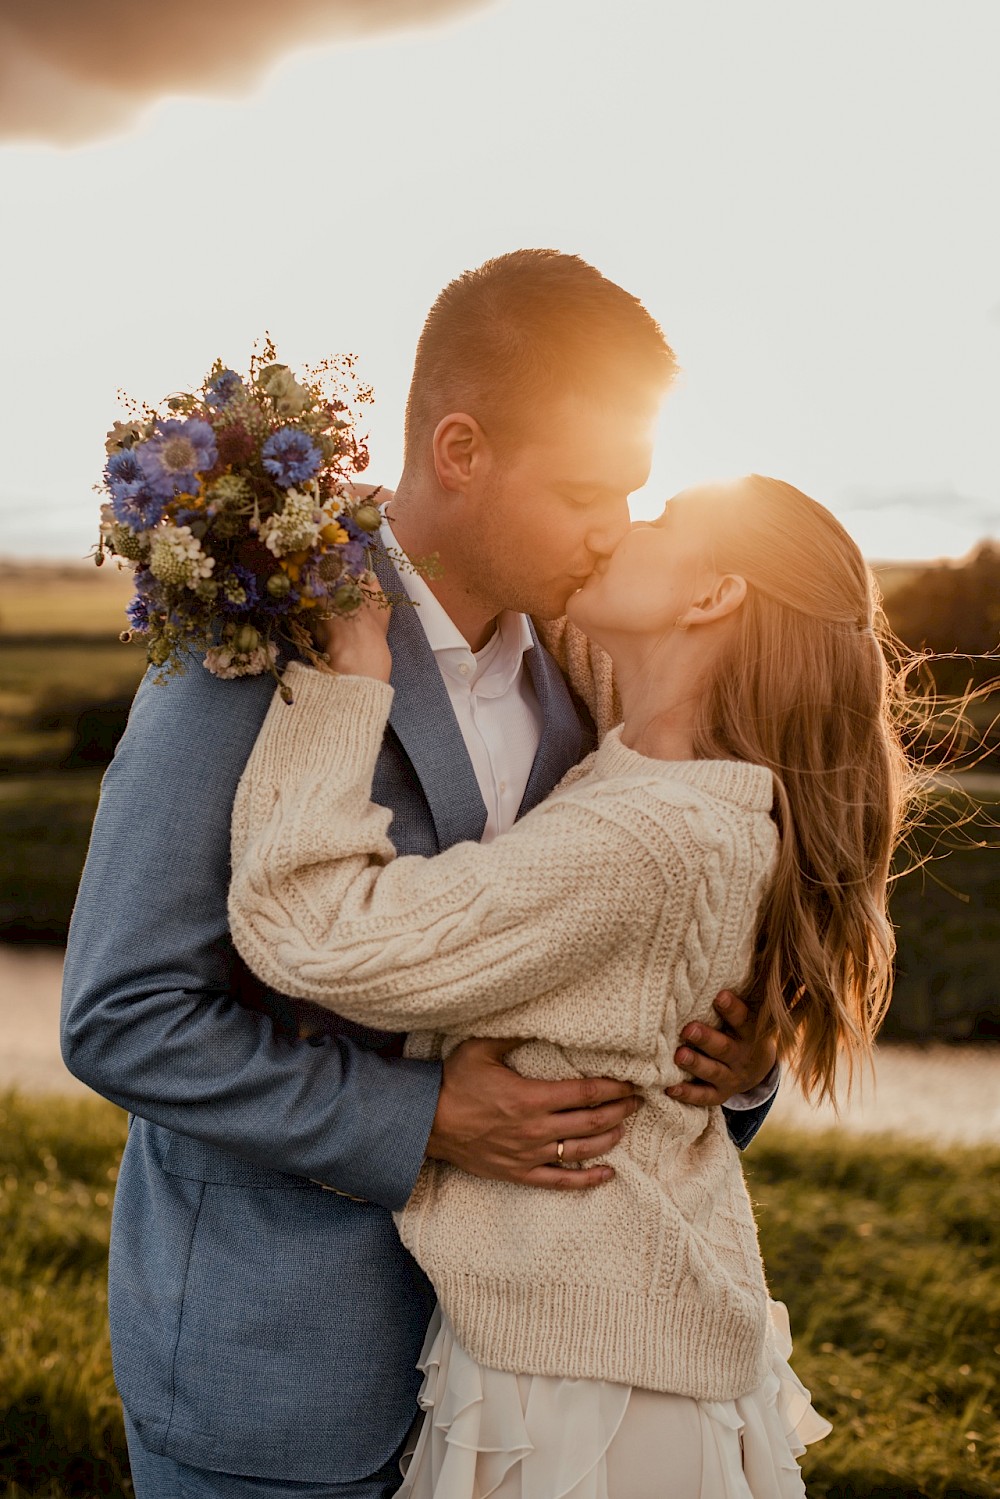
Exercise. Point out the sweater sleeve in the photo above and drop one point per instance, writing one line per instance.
(321, 908)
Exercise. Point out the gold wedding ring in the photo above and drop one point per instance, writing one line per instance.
(560, 1149)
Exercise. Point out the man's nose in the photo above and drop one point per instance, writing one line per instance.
(606, 532)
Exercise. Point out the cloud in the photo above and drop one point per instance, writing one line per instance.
(941, 500)
(76, 70)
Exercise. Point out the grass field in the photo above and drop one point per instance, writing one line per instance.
(63, 598)
(886, 1255)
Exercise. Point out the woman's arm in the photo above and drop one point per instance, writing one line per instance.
(320, 907)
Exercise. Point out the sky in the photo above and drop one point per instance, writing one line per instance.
(803, 194)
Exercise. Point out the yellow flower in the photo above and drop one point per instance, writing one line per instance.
(335, 535)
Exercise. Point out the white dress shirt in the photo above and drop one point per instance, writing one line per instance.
(491, 693)
(499, 715)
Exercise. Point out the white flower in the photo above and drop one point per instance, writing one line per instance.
(299, 523)
(177, 557)
(122, 540)
(290, 398)
(223, 661)
(122, 435)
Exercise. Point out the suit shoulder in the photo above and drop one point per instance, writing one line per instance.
(196, 717)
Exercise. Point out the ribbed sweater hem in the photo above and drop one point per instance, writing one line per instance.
(670, 1343)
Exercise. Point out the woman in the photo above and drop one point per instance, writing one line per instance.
(734, 832)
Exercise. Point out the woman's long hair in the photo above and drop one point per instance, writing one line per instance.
(804, 686)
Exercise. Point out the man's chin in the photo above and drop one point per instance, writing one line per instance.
(553, 608)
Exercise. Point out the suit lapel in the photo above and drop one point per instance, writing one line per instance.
(562, 744)
(424, 722)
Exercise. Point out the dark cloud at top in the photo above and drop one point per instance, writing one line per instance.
(74, 70)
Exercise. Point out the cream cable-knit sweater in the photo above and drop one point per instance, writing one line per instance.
(599, 925)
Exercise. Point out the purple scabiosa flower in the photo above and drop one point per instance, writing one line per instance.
(223, 388)
(291, 457)
(172, 460)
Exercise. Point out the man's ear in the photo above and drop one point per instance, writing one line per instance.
(722, 600)
(458, 444)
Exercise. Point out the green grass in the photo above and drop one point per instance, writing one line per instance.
(60, 1421)
(884, 1252)
(886, 1256)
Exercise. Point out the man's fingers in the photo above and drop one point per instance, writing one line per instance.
(733, 1011)
(576, 1124)
(710, 1041)
(558, 1179)
(699, 1093)
(575, 1151)
(550, 1097)
(705, 1069)
(578, 1093)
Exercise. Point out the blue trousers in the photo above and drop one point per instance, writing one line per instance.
(156, 1477)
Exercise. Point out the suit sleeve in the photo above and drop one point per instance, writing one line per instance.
(150, 1019)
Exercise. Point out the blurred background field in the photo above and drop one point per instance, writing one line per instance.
(883, 1251)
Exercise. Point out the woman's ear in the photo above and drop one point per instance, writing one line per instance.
(458, 443)
(722, 600)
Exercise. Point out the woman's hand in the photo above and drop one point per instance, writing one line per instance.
(355, 644)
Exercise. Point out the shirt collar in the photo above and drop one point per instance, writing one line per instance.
(445, 638)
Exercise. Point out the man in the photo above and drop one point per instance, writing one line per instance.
(265, 1319)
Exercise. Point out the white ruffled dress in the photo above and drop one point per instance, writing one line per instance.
(487, 1434)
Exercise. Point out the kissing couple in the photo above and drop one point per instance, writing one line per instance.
(443, 1000)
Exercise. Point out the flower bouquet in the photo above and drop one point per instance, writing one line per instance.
(234, 507)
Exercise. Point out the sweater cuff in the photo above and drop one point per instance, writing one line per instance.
(333, 723)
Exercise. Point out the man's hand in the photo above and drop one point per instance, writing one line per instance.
(494, 1123)
(727, 1061)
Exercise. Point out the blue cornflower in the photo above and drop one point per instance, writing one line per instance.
(135, 505)
(172, 460)
(223, 388)
(290, 456)
(121, 470)
(137, 612)
(246, 580)
(132, 501)
(146, 598)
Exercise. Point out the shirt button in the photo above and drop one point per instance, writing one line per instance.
(503, 785)
(464, 669)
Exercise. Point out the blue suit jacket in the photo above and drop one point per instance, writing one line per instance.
(261, 1324)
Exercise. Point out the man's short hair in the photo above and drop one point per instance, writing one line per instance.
(522, 329)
